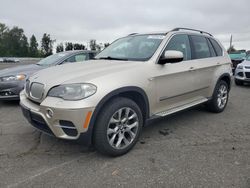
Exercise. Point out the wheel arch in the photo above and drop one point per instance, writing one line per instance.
(227, 78)
(138, 95)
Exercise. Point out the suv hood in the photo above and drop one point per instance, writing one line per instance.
(23, 69)
(80, 72)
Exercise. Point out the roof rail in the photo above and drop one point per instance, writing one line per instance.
(132, 34)
(183, 28)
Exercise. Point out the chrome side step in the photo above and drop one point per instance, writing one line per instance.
(182, 107)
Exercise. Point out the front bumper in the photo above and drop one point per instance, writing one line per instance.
(10, 90)
(66, 123)
(243, 74)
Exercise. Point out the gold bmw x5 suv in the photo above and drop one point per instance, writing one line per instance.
(105, 102)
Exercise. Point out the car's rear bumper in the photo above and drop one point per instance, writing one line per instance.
(70, 124)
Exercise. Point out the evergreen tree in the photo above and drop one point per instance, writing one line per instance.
(47, 45)
(106, 45)
(68, 46)
(59, 48)
(78, 46)
(33, 48)
(3, 31)
(24, 47)
(92, 44)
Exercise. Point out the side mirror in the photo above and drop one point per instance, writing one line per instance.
(171, 56)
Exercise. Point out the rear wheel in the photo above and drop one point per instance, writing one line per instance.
(220, 97)
(118, 127)
(238, 82)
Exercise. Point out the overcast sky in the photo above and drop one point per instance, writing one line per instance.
(82, 20)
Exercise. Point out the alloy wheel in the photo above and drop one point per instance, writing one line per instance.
(122, 128)
(222, 96)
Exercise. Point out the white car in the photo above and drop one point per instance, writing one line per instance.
(242, 72)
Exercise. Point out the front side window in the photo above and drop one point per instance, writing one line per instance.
(135, 48)
(180, 43)
(200, 47)
(52, 59)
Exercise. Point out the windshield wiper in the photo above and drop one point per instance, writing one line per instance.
(113, 58)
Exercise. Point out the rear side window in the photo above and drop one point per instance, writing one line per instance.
(80, 57)
(70, 59)
(217, 47)
(200, 47)
(180, 43)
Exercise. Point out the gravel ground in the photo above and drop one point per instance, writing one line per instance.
(194, 148)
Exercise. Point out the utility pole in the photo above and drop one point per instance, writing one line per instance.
(231, 41)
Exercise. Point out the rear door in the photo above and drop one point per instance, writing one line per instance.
(205, 61)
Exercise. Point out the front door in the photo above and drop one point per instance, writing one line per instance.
(174, 82)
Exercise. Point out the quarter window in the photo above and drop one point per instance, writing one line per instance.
(180, 43)
(211, 48)
(200, 47)
(217, 47)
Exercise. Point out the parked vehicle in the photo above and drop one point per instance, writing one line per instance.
(237, 58)
(12, 80)
(137, 78)
(9, 60)
(242, 72)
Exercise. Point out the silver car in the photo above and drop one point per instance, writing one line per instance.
(12, 80)
(242, 72)
(107, 101)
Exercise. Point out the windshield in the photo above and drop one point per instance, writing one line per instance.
(51, 60)
(137, 48)
(248, 58)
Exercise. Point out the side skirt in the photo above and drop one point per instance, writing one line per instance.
(183, 107)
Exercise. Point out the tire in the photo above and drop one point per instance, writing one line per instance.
(124, 131)
(238, 82)
(220, 97)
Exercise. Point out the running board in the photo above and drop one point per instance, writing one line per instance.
(182, 107)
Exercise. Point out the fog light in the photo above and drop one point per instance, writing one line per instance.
(49, 113)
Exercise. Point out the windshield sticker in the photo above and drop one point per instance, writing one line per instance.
(159, 37)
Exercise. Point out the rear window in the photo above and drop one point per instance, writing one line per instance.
(200, 47)
(217, 47)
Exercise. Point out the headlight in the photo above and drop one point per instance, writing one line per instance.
(73, 91)
(239, 67)
(13, 78)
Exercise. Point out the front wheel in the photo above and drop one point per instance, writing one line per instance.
(118, 127)
(220, 97)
